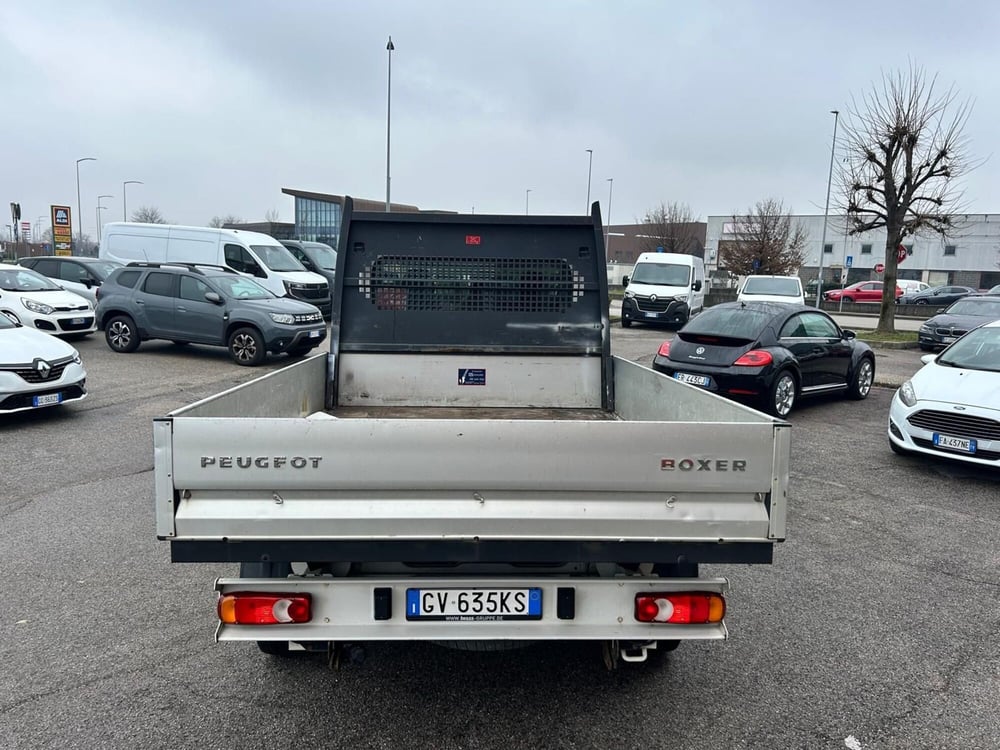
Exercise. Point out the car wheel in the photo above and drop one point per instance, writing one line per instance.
(848, 299)
(121, 334)
(864, 377)
(921, 302)
(626, 323)
(268, 570)
(11, 316)
(782, 395)
(246, 347)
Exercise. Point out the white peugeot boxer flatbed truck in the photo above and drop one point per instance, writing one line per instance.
(469, 464)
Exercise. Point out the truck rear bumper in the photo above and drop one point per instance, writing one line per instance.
(344, 609)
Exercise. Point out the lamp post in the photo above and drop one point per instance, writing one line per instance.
(124, 204)
(526, 194)
(607, 238)
(79, 209)
(99, 209)
(826, 208)
(388, 120)
(590, 167)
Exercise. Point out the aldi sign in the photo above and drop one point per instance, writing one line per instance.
(62, 230)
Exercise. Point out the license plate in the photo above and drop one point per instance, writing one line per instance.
(947, 339)
(959, 444)
(314, 334)
(652, 315)
(699, 380)
(474, 605)
(48, 398)
(77, 321)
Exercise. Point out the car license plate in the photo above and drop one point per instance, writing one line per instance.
(47, 399)
(959, 444)
(699, 380)
(314, 334)
(77, 321)
(652, 315)
(947, 339)
(474, 605)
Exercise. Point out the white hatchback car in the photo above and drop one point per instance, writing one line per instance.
(37, 370)
(29, 298)
(772, 289)
(951, 407)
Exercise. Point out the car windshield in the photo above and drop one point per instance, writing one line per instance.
(983, 308)
(661, 274)
(277, 258)
(977, 350)
(779, 287)
(324, 256)
(241, 287)
(25, 280)
(731, 322)
(103, 268)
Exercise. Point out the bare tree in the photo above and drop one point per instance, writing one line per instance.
(148, 215)
(905, 150)
(673, 227)
(272, 216)
(764, 241)
(221, 221)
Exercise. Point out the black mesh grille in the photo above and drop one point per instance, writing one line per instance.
(527, 285)
(30, 374)
(310, 291)
(67, 324)
(956, 425)
(660, 304)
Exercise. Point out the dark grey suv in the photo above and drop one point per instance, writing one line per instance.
(198, 304)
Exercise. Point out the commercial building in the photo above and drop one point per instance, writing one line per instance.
(318, 216)
(969, 257)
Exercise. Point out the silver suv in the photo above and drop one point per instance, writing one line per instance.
(191, 303)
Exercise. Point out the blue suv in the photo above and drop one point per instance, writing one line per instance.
(191, 303)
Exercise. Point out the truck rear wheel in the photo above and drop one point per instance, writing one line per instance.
(268, 570)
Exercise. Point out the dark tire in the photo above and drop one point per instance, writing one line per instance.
(268, 570)
(862, 379)
(781, 397)
(921, 302)
(246, 347)
(121, 334)
(626, 323)
(848, 299)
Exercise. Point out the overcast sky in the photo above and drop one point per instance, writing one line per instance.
(216, 106)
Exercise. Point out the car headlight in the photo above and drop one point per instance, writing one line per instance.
(286, 318)
(76, 358)
(925, 329)
(906, 393)
(37, 307)
(681, 298)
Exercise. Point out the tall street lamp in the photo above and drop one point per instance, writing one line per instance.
(526, 194)
(79, 208)
(607, 239)
(826, 208)
(388, 121)
(124, 204)
(590, 167)
(99, 209)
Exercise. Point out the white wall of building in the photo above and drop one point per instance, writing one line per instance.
(976, 259)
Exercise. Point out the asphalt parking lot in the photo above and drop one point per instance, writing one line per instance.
(876, 627)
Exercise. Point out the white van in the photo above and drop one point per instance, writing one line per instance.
(664, 288)
(254, 254)
(786, 289)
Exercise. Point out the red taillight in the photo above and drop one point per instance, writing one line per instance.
(754, 358)
(253, 608)
(664, 350)
(687, 608)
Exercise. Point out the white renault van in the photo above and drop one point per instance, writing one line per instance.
(664, 288)
(787, 289)
(254, 254)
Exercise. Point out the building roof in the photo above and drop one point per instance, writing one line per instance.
(360, 204)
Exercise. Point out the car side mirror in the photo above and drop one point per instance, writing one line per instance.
(625, 282)
(259, 273)
(696, 285)
(848, 333)
(213, 297)
(89, 283)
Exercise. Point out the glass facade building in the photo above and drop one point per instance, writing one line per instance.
(317, 220)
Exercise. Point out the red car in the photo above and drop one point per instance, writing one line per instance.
(862, 291)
